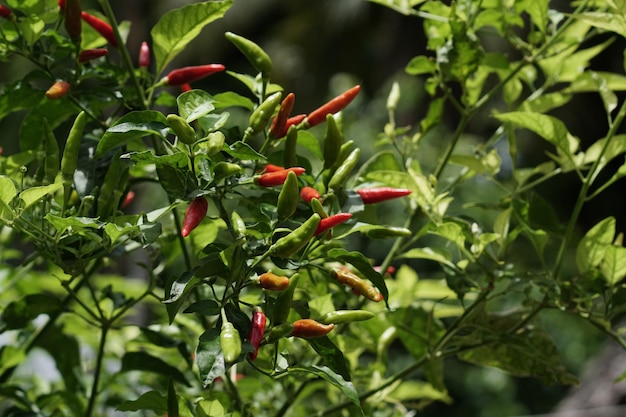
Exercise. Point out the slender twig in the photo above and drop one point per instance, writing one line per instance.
(97, 371)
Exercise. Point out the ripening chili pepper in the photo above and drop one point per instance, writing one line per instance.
(309, 328)
(288, 197)
(282, 306)
(290, 158)
(89, 54)
(181, 129)
(72, 13)
(331, 221)
(332, 142)
(335, 105)
(273, 168)
(359, 285)
(294, 121)
(51, 155)
(230, 341)
(278, 127)
(128, 199)
(112, 188)
(272, 179)
(257, 329)
(346, 316)
(58, 90)
(297, 239)
(309, 193)
(259, 59)
(69, 161)
(144, 55)
(377, 195)
(273, 282)
(341, 174)
(261, 115)
(100, 26)
(185, 75)
(5, 11)
(193, 216)
(386, 232)
(278, 332)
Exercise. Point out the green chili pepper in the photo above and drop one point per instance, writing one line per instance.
(215, 143)
(114, 179)
(230, 340)
(332, 142)
(297, 239)
(261, 116)
(341, 174)
(181, 128)
(346, 316)
(51, 160)
(288, 197)
(317, 207)
(226, 169)
(384, 341)
(239, 226)
(259, 59)
(283, 301)
(344, 151)
(289, 152)
(383, 232)
(69, 161)
(394, 96)
(277, 333)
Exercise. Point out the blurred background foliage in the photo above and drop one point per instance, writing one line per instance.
(319, 49)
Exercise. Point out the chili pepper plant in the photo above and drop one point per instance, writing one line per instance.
(158, 251)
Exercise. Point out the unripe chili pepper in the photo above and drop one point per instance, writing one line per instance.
(278, 127)
(112, 188)
(377, 195)
(282, 306)
(331, 221)
(257, 329)
(332, 142)
(308, 193)
(89, 54)
(57, 90)
(239, 226)
(288, 197)
(144, 55)
(297, 239)
(273, 168)
(272, 179)
(230, 341)
(335, 105)
(289, 152)
(193, 216)
(386, 232)
(226, 169)
(273, 282)
(345, 277)
(181, 129)
(215, 143)
(317, 207)
(344, 170)
(294, 121)
(346, 316)
(345, 150)
(262, 114)
(5, 12)
(278, 332)
(259, 59)
(69, 161)
(72, 13)
(309, 328)
(100, 26)
(186, 75)
(51, 157)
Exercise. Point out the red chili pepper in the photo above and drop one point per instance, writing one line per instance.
(376, 195)
(58, 90)
(89, 54)
(331, 221)
(193, 216)
(309, 193)
(278, 126)
(5, 12)
(335, 105)
(257, 329)
(186, 75)
(61, 4)
(130, 196)
(308, 329)
(72, 22)
(390, 269)
(271, 281)
(272, 179)
(185, 87)
(273, 168)
(100, 26)
(144, 55)
(294, 121)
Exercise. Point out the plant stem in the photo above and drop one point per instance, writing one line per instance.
(96, 377)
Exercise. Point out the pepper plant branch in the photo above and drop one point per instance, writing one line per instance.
(98, 369)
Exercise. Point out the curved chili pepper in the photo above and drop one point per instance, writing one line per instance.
(58, 90)
(89, 54)
(317, 207)
(377, 195)
(297, 239)
(344, 170)
(273, 282)
(144, 55)
(288, 197)
(272, 179)
(278, 127)
(345, 277)
(309, 328)
(253, 52)
(186, 75)
(309, 193)
(333, 106)
(100, 26)
(262, 114)
(294, 121)
(332, 221)
(193, 216)
(257, 329)
(273, 168)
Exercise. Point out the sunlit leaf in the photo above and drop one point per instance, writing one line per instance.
(194, 104)
(592, 247)
(131, 126)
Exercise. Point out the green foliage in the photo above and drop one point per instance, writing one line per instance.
(455, 276)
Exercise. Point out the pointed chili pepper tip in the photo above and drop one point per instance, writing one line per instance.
(333, 106)
(185, 75)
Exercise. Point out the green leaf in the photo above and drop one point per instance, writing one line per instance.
(232, 99)
(420, 65)
(66, 353)
(335, 379)
(613, 265)
(143, 361)
(310, 142)
(545, 102)
(612, 22)
(18, 96)
(150, 400)
(133, 125)
(362, 264)
(433, 254)
(34, 194)
(78, 224)
(381, 161)
(331, 356)
(417, 329)
(243, 151)
(592, 247)
(209, 357)
(177, 290)
(172, 400)
(419, 393)
(177, 182)
(616, 147)
(585, 82)
(17, 314)
(194, 104)
(177, 28)
(204, 307)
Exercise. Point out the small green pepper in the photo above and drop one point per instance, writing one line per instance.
(230, 340)
(283, 301)
(69, 161)
(181, 129)
(346, 316)
(297, 239)
(289, 152)
(382, 232)
(261, 116)
(215, 143)
(51, 159)
(288, 197)
(341, 174)
(239, 226)
(332, 142)
(259, 59)
(277, 333)
(226, 169)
